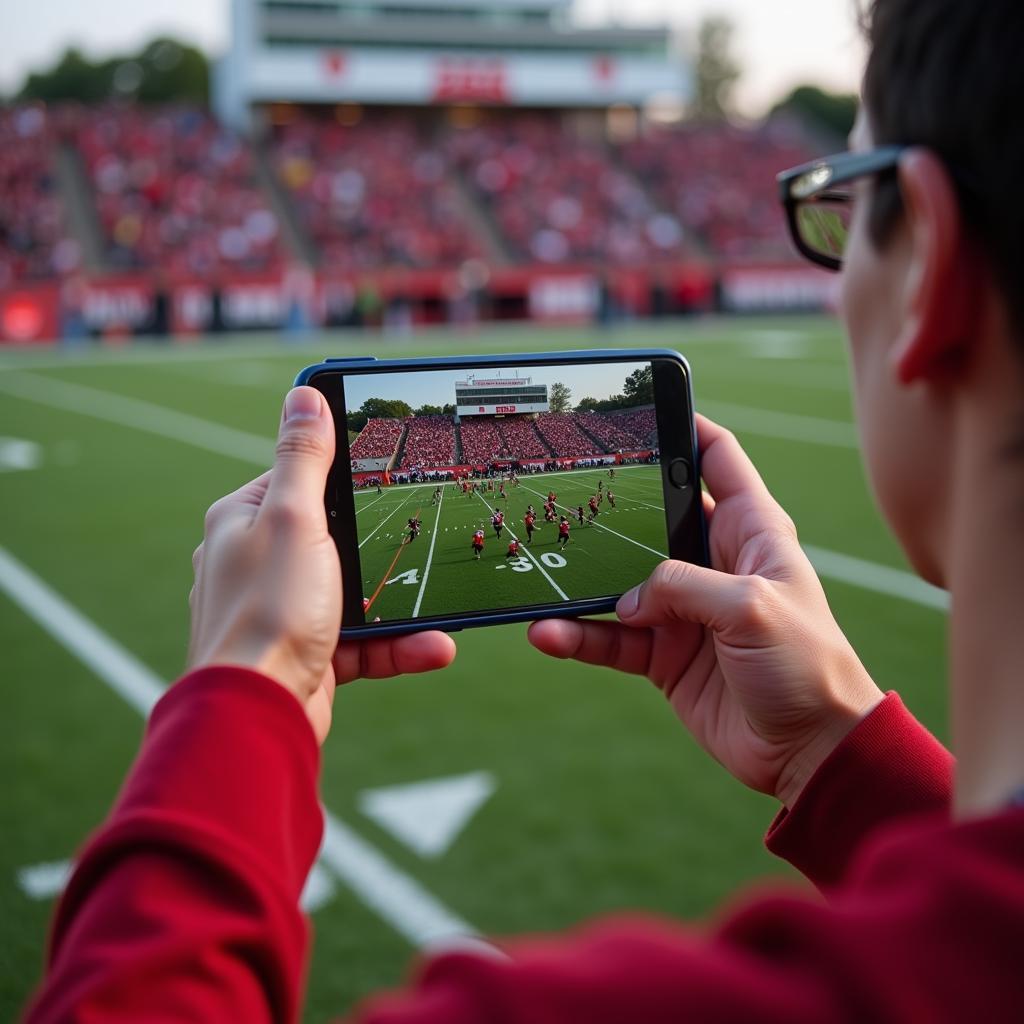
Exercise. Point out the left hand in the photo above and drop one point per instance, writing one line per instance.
(267, 591)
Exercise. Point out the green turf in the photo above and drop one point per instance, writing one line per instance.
(438, 574)
(602, 801)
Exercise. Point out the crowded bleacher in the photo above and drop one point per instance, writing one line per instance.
(173, 190)
(558, 198)
(429, 441)
(564, 436)
(640, 423)
(720, 182)
(481, 441)
(372, 195)
(611, 433)
(377, 440)
(435, 441)
(520, 436)
(33, 241)
(379, 222)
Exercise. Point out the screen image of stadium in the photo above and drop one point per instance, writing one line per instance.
(503, 488)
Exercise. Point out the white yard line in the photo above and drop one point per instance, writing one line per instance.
(529, 554)
(140, 415)
(399, 900)
(617, 491)
(857, 572)
(401, 504)
(370, 504)
(430, 558)
(660, 554)
(782, 425)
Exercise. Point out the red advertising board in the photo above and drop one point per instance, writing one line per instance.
(470, 79)
(30, 315)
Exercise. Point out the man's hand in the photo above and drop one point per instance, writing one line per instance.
(747, 653)
(267, 591)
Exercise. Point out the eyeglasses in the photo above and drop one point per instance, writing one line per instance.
(818, 198)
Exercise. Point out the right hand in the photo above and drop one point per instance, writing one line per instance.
(747, 652)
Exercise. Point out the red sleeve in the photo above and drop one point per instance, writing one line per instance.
(889, 767)
(891, 945)
(185, 905)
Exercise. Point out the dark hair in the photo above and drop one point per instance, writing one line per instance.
(949, 75)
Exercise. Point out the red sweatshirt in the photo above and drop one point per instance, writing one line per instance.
(185, 905)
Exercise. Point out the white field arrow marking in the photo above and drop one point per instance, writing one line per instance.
(16, 454)
(427, 816)
(45, 881)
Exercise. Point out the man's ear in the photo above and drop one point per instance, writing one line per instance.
(943, 279)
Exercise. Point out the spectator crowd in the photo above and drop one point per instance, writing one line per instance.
(377, 440)
(33, 241)
(429, 441)
(372, 195)
(176, 191)
(559, 198)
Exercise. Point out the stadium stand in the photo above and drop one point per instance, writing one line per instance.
(640, 423)
(520, 436)
(371, 195)
(564, 436)
(720, 181)
(33, 243)
(609, 432)
(175, 190)
(430, 441)
(560, 199)
(481, 441)
(377, 440)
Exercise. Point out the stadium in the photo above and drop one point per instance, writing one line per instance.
(482, 176)
(397, 166)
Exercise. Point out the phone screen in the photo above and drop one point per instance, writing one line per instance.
(468, 491)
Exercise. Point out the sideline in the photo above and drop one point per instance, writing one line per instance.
(398, 899)
(251, 448)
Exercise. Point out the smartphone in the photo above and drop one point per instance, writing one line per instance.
(472, 491)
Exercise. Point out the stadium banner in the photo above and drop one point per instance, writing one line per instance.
(501, 410)
(406, 75)
(30, 314)
(370, 465)
(771, 289)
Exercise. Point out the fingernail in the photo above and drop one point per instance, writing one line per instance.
(302, 404)
(628, 603)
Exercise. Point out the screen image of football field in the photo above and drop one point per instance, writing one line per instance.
(438, 573)
(470, 521)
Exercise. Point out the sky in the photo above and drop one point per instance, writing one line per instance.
(780, 43)
(437, 387)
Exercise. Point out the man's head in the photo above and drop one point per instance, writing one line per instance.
(933, 284)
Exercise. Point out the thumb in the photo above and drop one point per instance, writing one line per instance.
(682, 592)
(305, 450)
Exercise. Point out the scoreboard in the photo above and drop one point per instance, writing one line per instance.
(500, 397)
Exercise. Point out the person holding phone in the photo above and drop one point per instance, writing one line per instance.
(186, 902)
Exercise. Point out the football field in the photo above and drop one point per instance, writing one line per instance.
(438, 573)
(565, 791)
